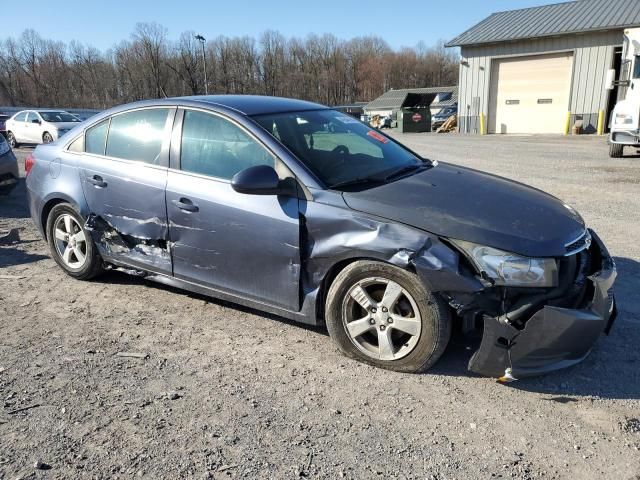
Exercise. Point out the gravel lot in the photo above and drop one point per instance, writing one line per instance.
(227, 392)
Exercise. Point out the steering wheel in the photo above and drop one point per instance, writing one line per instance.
(341, 149)
(339, 155)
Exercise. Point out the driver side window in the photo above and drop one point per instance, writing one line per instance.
(213, 146)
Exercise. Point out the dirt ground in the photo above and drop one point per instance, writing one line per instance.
(227, 392)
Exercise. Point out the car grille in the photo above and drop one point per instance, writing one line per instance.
(581, 243)
(579, 265)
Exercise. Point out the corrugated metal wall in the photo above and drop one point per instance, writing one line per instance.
(593, 54)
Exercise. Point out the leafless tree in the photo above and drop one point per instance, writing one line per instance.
(322, 68)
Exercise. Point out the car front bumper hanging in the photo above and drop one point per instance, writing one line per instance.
(553, 338)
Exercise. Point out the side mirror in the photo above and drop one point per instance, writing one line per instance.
(36, 121)
(259, 180)
(610, 79)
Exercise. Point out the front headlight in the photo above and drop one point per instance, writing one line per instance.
(510, 269)
(624, 119)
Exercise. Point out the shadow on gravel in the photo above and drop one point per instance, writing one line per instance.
(11, 257)
(120, 278)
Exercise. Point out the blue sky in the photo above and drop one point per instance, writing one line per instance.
(401, 23)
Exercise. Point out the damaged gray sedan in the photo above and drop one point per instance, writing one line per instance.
(299, 210)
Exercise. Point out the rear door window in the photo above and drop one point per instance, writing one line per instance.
(138, 135)
(216, 147)
(77, 145)
(21, 117)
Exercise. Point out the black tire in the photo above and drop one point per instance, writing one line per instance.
(11, 139)
(616, 150)
(93, 264)
(47, 138)
(435, 317)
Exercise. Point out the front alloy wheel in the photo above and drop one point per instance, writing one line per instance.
(382, 319)
(47, 138)
(383, 315)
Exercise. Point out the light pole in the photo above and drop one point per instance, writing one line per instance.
(202, 41)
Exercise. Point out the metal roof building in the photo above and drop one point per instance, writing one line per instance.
(390, 102)
(543, 69)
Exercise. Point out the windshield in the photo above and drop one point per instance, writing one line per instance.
(339, 149)
(56, 117)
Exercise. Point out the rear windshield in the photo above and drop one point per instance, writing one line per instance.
(57, 117)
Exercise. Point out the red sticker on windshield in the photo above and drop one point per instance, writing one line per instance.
(377, 136)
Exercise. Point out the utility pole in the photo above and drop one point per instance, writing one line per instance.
(202, 41)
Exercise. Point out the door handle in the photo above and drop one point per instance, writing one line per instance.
(186, 205)
(97, 181)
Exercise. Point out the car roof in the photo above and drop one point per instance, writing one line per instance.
(256, 104)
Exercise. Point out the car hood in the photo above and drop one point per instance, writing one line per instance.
(465, 204)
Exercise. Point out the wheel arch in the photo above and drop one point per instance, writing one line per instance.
(48, 206)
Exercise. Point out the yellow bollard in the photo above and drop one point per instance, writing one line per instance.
(482, 124)
(567, 126)
(600, 122)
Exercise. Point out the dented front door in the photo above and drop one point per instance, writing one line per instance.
(241, 244)
(247, 245)
(124, 187)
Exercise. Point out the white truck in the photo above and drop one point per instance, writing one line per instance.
(625, 121)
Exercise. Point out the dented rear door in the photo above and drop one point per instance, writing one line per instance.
(124, 176)
(247, 245)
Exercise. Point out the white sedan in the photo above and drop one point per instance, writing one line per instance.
(39, 126)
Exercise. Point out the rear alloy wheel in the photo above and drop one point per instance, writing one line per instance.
(616, 150)
(47, 138)
(12, 140)
(71, 245)
(383, 315)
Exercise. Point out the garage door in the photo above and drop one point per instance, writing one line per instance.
(530, 94)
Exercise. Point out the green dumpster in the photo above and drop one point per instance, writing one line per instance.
(415, 115)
